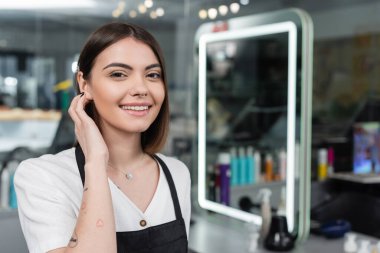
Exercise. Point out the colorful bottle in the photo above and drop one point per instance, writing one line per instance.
(217, 181)
(225, 173)
(235, 177)
(242, 166)
(268, 168)
(330, 161)
(322, 164)
(266, 212)
(12, 166)
(257, 158)
(282, 164)
(250, 162)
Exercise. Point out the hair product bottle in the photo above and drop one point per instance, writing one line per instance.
(234, 167)
(250, 165)
(224, 169)
(330, 160)
(257, 158)
(268, 168)
(266, 212)
(282, 164)
(322, 164)
(12, 166)
(242, 166)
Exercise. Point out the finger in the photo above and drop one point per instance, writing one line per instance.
(72, 112)
(79, 108)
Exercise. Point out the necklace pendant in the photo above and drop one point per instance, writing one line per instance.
(129, 176)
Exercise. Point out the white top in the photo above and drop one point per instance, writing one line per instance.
(49, 194)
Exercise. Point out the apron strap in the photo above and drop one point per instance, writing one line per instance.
(173, 191)
(79, 156)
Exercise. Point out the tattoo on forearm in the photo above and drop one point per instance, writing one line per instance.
(83, 207)
(73, 240)
(99, 223)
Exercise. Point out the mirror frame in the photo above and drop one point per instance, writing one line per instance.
(296, 23)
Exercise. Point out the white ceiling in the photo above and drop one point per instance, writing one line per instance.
(174, 10)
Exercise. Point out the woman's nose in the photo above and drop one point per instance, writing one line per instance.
(139, 88)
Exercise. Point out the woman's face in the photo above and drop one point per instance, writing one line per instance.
(126, 86)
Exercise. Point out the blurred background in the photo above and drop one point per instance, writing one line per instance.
(40, 42)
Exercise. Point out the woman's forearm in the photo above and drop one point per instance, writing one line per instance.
(95, 228)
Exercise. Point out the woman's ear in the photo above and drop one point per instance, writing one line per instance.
(84, 85)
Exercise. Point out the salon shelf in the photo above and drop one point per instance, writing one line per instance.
(22, 114)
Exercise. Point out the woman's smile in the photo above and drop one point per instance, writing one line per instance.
(136, 109)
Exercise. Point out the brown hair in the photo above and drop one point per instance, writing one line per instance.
(154, 138)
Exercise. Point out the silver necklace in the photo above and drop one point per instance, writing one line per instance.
(128, 175)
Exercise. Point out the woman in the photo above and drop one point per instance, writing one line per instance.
(112, 192)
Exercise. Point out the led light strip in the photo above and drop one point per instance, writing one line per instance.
(281, 27)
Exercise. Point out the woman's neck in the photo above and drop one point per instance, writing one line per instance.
(124, 148)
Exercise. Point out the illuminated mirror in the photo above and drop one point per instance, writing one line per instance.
(254, 85)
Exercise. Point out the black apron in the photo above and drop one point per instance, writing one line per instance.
(165, 238)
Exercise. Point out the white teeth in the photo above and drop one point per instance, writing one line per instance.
(134, 108)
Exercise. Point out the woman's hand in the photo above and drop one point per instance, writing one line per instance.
(87, 132)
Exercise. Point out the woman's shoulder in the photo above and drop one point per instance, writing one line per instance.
(176, 167)
(47, 167)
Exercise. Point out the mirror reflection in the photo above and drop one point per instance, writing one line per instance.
(247, 113)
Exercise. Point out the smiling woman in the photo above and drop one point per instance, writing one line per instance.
(113, 192)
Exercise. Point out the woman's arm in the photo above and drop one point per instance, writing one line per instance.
(95, 227)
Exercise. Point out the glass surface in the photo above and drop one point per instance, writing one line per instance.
(253, 83)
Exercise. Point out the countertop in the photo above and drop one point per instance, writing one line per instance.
(213, 233)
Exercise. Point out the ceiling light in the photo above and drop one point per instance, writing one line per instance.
(223, 10)
(132, 13)
(45, 4)
(116, 13)
(234, 7)
(148, 3)
(202, 14)
(142, 8)
(244, 2)
(160, 12)
(212, 13)
(153, 15)
(74, 66)
(10, 81)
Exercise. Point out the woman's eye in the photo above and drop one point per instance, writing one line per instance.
(117, 74)
(154, 75)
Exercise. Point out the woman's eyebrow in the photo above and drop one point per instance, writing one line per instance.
(118, 64)
(126, 66)
(151, 66)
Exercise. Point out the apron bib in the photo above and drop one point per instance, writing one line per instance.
(164, 238)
